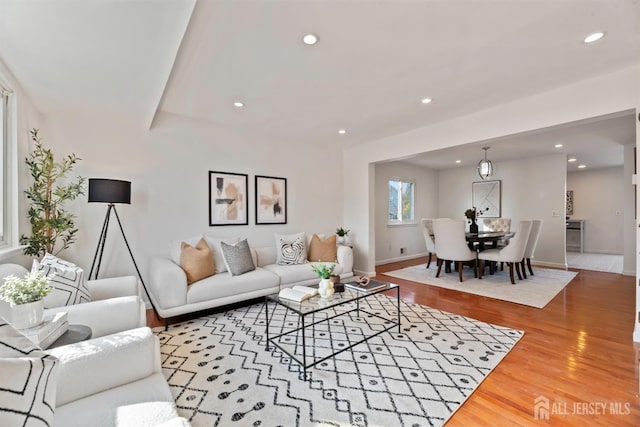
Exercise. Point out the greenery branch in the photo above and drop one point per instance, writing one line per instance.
(34, 287)
(323, 271)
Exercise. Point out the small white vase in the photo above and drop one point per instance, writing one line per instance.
(29, 315)
(326, 288)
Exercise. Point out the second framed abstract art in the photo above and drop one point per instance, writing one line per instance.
(271, 200)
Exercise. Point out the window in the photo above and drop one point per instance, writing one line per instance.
(5, 213)
(400, 201)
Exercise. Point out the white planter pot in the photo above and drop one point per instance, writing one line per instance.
(24, 316)
(325, 289)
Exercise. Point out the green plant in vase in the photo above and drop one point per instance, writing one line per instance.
(323, 271)
(52, 227)
(341, 232)
(33, 287)
(26, 298)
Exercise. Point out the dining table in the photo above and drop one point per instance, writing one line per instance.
(481, 239)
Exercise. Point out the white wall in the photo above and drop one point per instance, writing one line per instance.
(390, 238)
(599, 198)
(614, 92)
(531, 188)
(168, 167)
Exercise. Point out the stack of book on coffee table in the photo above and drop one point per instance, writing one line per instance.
(46, 333)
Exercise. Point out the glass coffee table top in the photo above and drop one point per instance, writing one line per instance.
(317, 303)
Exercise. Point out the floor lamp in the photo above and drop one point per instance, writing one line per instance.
(111, 191)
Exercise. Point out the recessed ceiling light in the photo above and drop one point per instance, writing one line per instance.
(572, 159)
(558, 145)
(238, 104)
(426, 100)
(594, 37)
(582, 166)
(458, 161)
(342, 131)
(310, 39)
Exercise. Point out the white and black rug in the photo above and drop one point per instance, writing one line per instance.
(221, 374)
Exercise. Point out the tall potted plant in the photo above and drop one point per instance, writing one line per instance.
(52, 227)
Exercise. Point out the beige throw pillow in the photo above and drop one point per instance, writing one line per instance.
(197, 262)
(323, 250)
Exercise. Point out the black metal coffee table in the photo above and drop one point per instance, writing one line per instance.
(328, 309)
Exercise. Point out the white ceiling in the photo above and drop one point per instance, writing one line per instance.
(373, 64)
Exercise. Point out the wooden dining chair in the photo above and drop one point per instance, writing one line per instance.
(451, 245)
(427, 230)
(532, 242)
(512, 254)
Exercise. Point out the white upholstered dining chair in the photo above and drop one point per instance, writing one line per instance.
(532, 242)
(451, 244)
(427, 231)
(512, 254)
(497, 224)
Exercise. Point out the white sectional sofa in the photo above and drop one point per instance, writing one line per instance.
(173, 297)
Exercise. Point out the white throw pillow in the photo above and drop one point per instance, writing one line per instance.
(28, 376)
(291, 249)
(67, 279)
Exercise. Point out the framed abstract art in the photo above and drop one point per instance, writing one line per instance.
(228, 198)
(271, 200)
(486, 198)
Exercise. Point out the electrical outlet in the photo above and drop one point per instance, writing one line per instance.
(555, 213)
(617, 213)
(402, 250)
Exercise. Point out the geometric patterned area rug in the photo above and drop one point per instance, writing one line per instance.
(535, 291)
(220, 373)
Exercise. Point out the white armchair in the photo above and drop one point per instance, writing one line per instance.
(116, 304)
(115, 380)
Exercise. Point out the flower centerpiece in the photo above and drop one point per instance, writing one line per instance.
(324, 272)
(26, 298)
(471, 215)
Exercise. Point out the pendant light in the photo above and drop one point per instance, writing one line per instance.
(485, 167)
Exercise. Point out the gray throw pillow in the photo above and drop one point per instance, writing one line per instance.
(237, 257)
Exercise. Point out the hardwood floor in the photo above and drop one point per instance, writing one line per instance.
(577, 352)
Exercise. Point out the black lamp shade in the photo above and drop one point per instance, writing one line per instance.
(109, 191)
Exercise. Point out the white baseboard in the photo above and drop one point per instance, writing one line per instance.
(636, 333)
(402, 258)
(549, 264)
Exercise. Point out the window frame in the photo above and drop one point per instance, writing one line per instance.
(8, 165)
(402, 181)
